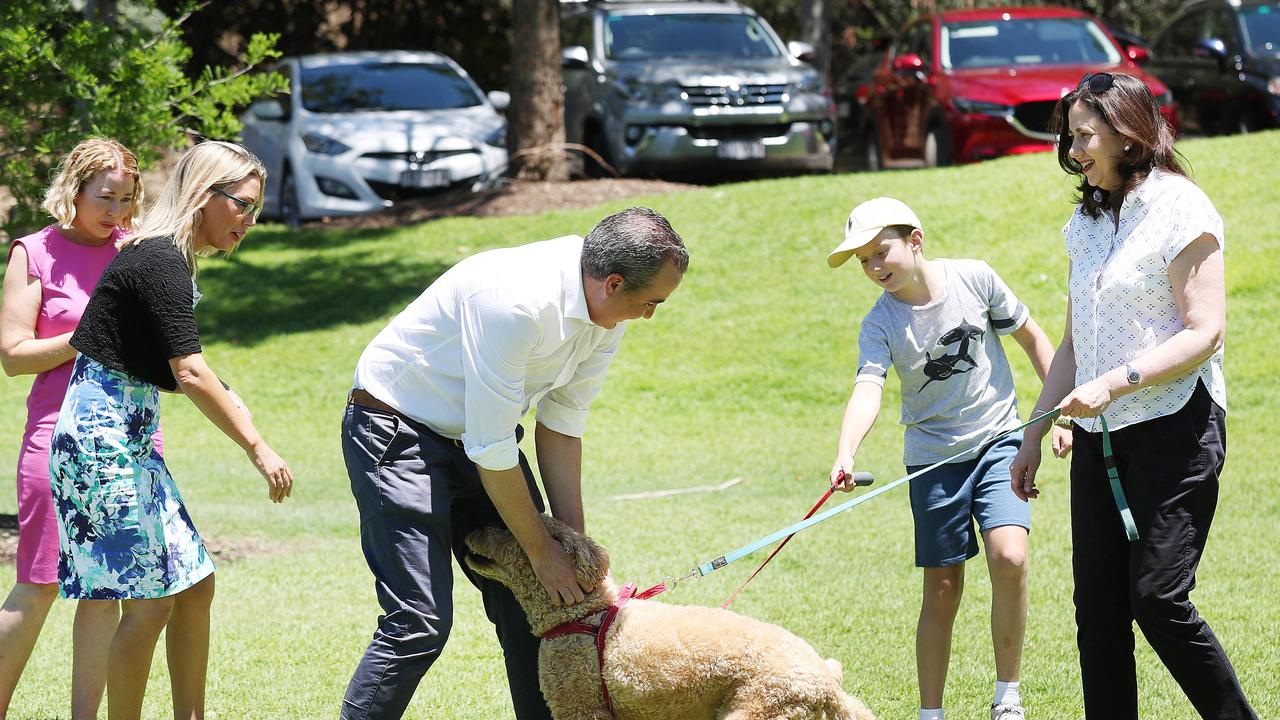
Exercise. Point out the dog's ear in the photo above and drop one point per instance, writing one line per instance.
(590, 559)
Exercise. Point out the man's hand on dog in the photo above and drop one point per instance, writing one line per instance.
(556, 572)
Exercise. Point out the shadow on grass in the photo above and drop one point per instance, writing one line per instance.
(279, 237)
(249, 302)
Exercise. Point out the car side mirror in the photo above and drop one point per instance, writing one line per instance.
(1138, 54)
(802, 51)
(269, 110)
(908, 63)
(500, 99)
(1211, 49)
(574, 58)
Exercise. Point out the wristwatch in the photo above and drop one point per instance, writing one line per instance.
(1133, 376)
(1062, 422)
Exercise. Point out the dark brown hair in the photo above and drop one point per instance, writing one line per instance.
(1128, 108)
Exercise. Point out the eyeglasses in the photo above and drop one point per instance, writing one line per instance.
(246, 208)
(1097, 83)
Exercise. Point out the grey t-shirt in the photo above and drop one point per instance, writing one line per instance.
(957, 390)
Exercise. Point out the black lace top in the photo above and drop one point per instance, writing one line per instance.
(141, 313)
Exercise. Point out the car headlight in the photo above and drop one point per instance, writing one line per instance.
(981, 107)
(1273, 85)
(652, 93)
(497, 137)
(808, 84)
(323, 144)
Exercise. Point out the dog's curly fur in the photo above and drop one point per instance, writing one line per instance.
(661, 662)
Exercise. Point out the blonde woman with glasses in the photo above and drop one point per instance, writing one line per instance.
(93, 199)
(123, 529)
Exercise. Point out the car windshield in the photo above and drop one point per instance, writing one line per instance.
(1262, 29)
(640, 37)
(385, 86)
(1029, 41)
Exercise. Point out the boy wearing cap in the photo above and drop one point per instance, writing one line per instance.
(937, 324)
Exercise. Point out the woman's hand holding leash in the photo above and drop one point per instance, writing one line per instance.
(1088, 400)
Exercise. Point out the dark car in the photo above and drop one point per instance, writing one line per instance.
(660, 86)
(968, 85)
(1134, 45)
(1222, 61)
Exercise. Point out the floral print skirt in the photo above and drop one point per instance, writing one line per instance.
(123, 532)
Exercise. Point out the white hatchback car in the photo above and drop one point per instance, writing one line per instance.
(360, 130)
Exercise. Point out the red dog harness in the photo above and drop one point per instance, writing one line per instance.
(574, 627)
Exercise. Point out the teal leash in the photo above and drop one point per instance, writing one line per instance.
(1114, 476)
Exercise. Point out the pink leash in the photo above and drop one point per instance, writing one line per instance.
(860, 479)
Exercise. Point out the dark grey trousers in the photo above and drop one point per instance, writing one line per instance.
(419, 496)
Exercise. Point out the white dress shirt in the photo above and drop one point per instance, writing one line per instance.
(498, 333)
(1122, 302)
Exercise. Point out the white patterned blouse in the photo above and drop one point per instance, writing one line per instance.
(1122, 301)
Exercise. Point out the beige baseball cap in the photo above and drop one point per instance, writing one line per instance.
(866, 221)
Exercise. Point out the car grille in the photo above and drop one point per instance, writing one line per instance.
(1034, 116)
(427, 156)
(396, 193)
(734, 96)
(738, 132)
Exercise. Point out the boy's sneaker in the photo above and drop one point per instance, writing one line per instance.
(1007, 712)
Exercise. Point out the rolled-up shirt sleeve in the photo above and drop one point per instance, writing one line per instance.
(498, 336)
(1006, 312)
(564, 409)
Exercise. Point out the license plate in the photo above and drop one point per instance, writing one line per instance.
(424, 178)
(740, 150)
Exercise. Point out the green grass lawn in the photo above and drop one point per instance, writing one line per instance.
(744, 373)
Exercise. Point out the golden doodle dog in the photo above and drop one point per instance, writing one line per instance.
(660, 662)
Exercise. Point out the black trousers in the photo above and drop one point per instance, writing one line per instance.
(419, 495)
(1169, 468)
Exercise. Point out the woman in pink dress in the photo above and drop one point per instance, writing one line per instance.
(47, 283)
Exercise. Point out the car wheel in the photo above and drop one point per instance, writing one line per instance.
(594, 139)
(872, 158)
(290, 213)
(937, 147)
(1248, 122)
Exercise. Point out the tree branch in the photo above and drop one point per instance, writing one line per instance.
(174, 26)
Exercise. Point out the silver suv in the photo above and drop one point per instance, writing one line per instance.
(662, 85)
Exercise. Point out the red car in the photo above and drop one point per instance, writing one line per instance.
(970, 85)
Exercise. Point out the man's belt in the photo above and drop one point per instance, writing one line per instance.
(361, 397)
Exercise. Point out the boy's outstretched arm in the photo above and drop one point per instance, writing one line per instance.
(859, 415)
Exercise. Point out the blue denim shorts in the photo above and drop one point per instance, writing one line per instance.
(946, 501)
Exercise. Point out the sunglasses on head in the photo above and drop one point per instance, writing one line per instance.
(246, 207)
(1097, 82)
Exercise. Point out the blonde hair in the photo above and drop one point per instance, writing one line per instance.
(86, 159)
(211, 165)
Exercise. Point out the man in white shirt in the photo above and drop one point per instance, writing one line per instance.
(431, 429)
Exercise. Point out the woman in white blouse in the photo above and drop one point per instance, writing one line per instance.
(1143, 346)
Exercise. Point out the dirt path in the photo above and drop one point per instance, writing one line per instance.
(513, 198)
